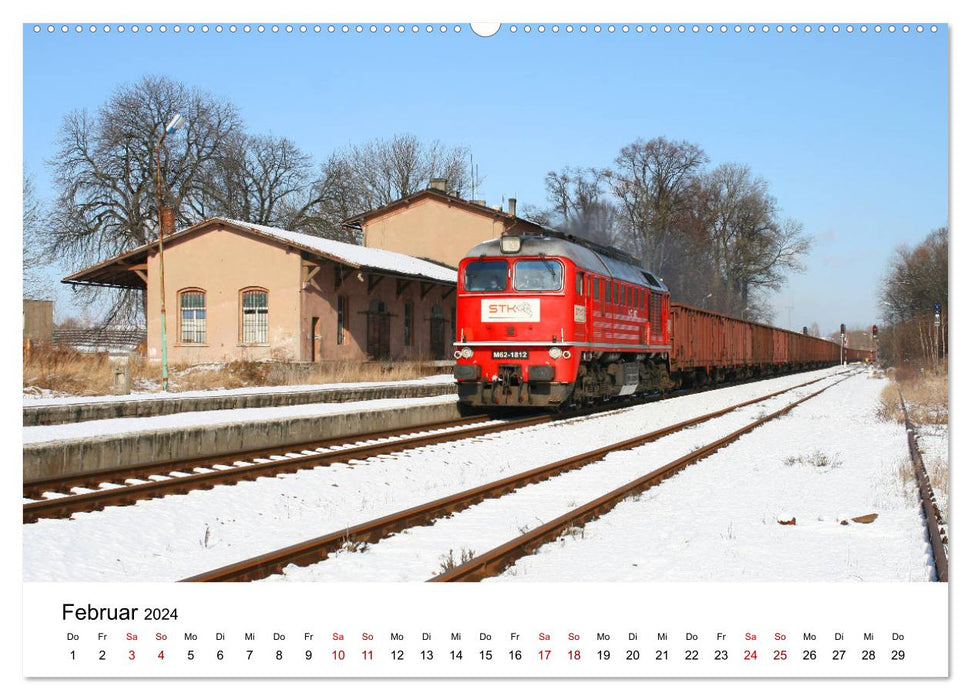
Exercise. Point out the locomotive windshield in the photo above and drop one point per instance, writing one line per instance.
(486, 276)
(538, 275)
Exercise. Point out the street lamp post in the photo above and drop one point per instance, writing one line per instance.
(172, 126)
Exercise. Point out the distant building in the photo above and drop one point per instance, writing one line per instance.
(38, 320)
(235, 290)
(436, 225)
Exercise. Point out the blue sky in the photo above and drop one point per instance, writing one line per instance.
(850, 130)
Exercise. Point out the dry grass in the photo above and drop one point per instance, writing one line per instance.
(926, 398)
(889, 408)
(926, 395)
(816, 459)
(448, 561)
(937, 473)
(65, 371)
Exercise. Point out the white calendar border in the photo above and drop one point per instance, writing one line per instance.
(826, 10)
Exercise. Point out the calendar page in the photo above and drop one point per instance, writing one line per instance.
(636, 325)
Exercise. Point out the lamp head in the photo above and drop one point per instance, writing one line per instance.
(176, 122)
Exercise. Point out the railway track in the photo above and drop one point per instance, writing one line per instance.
(53, 498)
(36, 488)
(933, 520)
(50, 498)
(181, 476)
(502, 557)
(317, 549)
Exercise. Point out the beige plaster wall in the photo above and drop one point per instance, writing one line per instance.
(433, 229)
(223, 262)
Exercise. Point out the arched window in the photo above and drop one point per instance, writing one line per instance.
(192, 316)
(254, 316)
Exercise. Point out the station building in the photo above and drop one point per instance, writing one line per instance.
(240, 291)
(235, 290)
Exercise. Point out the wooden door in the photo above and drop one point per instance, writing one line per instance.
(437, 329)
(378, 331)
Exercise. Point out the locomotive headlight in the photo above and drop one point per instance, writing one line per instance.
(466, 352)
(555, 353)
(510, 244)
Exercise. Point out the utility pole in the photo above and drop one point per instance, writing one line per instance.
(172, 126)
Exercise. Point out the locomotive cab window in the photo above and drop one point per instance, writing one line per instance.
(486, 276)
(538, 275)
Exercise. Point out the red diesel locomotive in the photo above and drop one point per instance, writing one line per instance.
(550, 319)
(545, 320)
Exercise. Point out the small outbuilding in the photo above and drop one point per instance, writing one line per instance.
(236, 290)
(38, 320)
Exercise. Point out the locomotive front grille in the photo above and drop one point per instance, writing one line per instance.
(510, 374)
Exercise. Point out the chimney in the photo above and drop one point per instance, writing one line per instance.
(512, 206)
(168, 221)
(438, 183)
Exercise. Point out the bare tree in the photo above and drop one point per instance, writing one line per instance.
(104, 170)
(581, 204)
(915, 301)
(752, 246)
(335, 198)
(35, 286)
(650, 181)
(382, 170)
(258, 179)
(539, 215)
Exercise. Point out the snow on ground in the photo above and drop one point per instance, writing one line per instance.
(802, 490)
(194, 419)
(44, 397)
(829, 460)
(179, 536)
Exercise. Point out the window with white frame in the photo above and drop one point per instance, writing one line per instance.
(192, 316)
(255, 312)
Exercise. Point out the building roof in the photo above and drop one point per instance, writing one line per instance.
(100, 339)
(358, 256)
(357, 221)
(118, 272)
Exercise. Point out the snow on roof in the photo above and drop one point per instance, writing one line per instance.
(357, 255)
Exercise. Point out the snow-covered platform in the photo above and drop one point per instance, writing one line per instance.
(55, 411)
(99, 445)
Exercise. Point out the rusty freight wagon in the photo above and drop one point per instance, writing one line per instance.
(707, 346)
